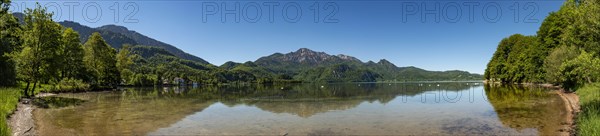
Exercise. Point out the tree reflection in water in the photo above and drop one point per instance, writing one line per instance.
(138, 111)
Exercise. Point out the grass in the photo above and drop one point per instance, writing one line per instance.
(9, 97)
(66, 85)
(588, 121)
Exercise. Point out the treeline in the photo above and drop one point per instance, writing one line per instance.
(40, 51)
(564, 52)
(37, 51)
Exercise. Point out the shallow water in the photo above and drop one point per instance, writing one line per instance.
(310, 109)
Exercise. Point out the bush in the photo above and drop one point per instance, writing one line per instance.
(555, 60)
(583, 69)
(70, 84)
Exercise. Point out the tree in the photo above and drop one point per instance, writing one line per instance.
(516, 60)
(72, 55)
(585, 68)
(100, 61)
(583, 30)
(555, 60)
(4, 5)
(9, 41)
(555, 25)
(589, 25)
(37, 61)
(125, 63)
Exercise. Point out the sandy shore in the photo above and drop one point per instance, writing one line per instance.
(21, 121)
(572, 105)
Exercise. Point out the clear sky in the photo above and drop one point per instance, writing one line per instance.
(404, 32)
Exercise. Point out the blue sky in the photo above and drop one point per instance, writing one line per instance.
(404, 32)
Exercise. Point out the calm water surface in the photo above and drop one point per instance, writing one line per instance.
(307, 109)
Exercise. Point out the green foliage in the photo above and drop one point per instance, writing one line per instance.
(555, 25)
(516, 60)
(72, 55)
(142, 65)
(100, 61)
(585, 68)
(149, 51)
(584, 29)
(4, 5)
(125, 63)
(555, 60)
(386, 69)
(568, 45)
(417, 74)
(588, 121)
(71, 85)
(574, 26)
(9, 42)
(9, 97)
(229, 65)
(38, 60)
(338, 73)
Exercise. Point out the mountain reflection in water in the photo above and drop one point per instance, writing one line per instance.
(354, 108)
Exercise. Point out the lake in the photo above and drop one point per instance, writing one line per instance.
(450, 108)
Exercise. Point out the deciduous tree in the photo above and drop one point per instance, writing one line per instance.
(100, 60)
(38, 60)
(71, 54)
(10, 41)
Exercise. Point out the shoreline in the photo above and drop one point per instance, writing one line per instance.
(572, 105)
(21, 120)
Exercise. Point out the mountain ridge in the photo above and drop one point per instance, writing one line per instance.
(116, 36)
(308, 64)
(301, 65)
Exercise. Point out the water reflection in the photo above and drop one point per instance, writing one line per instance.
(56, 102)
(365, 108)
(527, 108)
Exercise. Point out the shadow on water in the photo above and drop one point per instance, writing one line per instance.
(56, 102)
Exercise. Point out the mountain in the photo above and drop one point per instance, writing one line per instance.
(229, 65)
(116, 40)
(116, 36)
(308, 65)
(339, 73)
(155, 60)
(385, 68)
(302, 59)
(305, 56)
(145, 40)
(19, 16)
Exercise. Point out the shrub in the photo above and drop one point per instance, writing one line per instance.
(70, 84)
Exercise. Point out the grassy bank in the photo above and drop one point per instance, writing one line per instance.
(9, 97)
(588, 120)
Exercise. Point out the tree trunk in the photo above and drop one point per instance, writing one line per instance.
(27, 89)
(33, 89)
